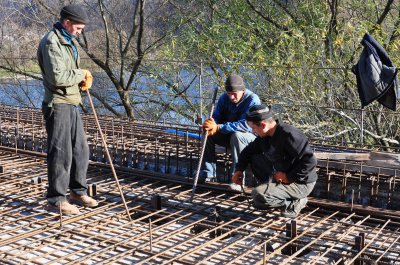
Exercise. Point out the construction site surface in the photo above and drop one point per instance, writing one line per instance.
(352, 216)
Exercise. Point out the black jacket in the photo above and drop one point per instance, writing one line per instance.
(287, 150)
(376, 75)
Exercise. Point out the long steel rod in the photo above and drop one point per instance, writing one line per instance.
(108, 155)
(203, 147)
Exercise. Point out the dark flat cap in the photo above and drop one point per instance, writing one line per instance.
(234, 83)
(75, 13)
(259, 113)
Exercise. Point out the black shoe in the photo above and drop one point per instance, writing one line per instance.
(201, 180)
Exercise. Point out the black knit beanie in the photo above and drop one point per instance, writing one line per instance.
(259, 113)
(75, 13)
(234, 83)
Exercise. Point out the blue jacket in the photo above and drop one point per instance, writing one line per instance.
(232, 117)
(376, 75)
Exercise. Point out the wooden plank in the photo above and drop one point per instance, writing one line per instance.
(381, 167)
(384, 156)
(343, 156)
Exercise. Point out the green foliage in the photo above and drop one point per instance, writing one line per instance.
(303, 50)
(297, 54)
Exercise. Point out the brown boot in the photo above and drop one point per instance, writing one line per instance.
(65, 207)
(83, 200)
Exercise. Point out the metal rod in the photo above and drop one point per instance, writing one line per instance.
(59, 208)
(265, 253)
(201, 91)
(362, 127)
(359, 245)
(203, 147)
(151, 236)
(244, 194)
(17, 132)
(108, 155)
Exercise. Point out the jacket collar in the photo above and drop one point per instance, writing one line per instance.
(57, 29)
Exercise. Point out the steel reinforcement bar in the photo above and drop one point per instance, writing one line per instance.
(174, 149)
(217, 227)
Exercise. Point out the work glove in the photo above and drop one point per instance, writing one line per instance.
(237, 178)
(210, 126)
(87, 82)
(281, 177)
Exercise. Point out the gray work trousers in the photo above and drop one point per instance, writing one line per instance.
(67, 151)
(273, 195)
(270, 194)
(236, 142)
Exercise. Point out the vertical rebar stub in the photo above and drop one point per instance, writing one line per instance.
(359, 242)
(36, 180)
(92, 189)
(156, 202)
(291, 232)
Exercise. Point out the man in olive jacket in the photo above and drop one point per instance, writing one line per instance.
(63, 80)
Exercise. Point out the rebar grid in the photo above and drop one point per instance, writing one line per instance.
(216, 228)
(149, 146)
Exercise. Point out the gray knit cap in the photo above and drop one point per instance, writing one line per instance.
(75, 13)
(234, 83)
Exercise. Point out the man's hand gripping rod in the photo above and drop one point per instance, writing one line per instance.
(108, 155)
(205, 136)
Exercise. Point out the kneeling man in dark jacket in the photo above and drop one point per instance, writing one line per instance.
(281, 160)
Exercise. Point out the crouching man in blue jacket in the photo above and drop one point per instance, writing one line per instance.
(228, 127)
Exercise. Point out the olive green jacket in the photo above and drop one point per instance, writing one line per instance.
(60, 71)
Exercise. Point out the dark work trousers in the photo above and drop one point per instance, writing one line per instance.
(67, 152)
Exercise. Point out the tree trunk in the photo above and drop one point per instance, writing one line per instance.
(126, 102)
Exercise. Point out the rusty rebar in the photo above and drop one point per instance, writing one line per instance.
(203, 147)
(108, 156)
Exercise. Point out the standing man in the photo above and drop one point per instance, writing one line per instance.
(63, 80)
(228, 127)
(283, 152)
